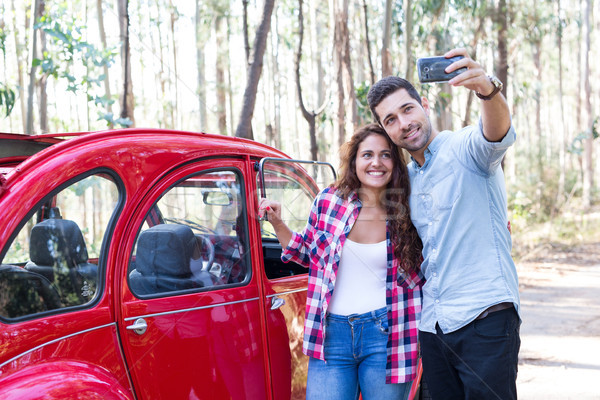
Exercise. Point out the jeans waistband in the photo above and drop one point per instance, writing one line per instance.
(370, 315)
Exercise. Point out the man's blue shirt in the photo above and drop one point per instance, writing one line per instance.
(458, 205)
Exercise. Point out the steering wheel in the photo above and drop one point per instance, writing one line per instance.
(208, 256)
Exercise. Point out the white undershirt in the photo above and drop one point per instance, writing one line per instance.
(360, 280)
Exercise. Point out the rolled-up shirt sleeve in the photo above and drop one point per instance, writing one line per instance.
(488, 155)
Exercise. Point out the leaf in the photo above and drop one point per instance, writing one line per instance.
(124, 122)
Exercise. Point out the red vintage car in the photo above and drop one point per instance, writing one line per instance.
(133, 266)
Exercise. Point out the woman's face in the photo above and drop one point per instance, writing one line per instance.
(374, 162)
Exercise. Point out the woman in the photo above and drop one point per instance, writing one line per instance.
(360, 246)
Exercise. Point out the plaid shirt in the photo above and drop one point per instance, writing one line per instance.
(319, 247)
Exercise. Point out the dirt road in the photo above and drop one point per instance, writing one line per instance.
(560, 335)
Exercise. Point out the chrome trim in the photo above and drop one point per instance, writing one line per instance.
(288, 292)
(57, 340)
(189, 309)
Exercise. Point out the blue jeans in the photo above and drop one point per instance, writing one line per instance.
(355, 360)
(476, 362)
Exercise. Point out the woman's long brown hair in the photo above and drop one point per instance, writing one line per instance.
(405, 240)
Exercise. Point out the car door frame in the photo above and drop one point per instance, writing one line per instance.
(131, 308)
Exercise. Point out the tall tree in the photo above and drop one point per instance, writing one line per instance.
(20, 68)
(102, 33)
(473, 47)
(38, 10)
(408, 37)
(201, 66)
(386, 59)
(562, 146)
(245, 31)
(368, 42)
(309, 116)
(338, 60)
(502, 60)
(244, 128)
(221, 59)
(174, 14)
(536, 37)
(588, 165)
(127, 99)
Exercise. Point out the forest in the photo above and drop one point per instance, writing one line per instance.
(294, 74)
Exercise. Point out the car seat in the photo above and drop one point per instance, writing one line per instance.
(58, 252)
(162, 260)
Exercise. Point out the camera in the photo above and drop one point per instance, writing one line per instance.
(432, 69)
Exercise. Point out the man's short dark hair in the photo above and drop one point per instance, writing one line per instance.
(386, 86)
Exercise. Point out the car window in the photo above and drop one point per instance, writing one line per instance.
(295, 187)
(290, 185)
(53, 262)
(193, 238)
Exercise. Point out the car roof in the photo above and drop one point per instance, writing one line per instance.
(16, 148)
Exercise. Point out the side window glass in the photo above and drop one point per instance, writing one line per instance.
(295, 187)
(53, 261)
(194, 237)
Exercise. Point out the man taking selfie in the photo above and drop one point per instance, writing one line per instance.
(469, 330)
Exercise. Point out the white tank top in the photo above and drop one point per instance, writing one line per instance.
(360, 280)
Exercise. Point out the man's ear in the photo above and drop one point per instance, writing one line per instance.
(425, 104)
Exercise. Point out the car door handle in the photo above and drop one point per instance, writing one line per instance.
(139, 326)
(276, 302)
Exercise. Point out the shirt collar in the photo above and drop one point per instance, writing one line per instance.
(433, 148)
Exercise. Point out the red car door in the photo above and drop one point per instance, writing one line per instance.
(286, 284)
(191, 309)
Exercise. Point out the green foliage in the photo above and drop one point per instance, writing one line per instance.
(364, 112)
(110, 120)
(7, 99)
(577, 145)
(68, 51)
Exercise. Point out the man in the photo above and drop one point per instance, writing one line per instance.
(469, 329)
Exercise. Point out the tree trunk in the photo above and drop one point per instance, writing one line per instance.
(349, 76)
(37, 12)
(42, 83)
(201, 65)
(562, 147)
(221, 109)
(274, 131)
(127, 100)
(410, 63)
(245, 31)
(578, 108)
(502, 63)
(19, 58)
(368, 43)
(537, 61)
(318, 40)
(588, 166)
(470, 96)
(386, 62)
(229, 83)
(175, 106)
(102, 32)
(310, 117)
(338, 50)
(244, 128)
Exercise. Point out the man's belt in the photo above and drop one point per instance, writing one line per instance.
(494, 308)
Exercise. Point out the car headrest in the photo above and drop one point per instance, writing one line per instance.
(57, 241)
(165, 250)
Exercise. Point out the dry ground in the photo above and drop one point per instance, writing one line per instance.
(560, 334)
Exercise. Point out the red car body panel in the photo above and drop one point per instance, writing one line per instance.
(225, 343)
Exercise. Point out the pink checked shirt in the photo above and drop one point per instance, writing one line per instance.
(319, 247)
